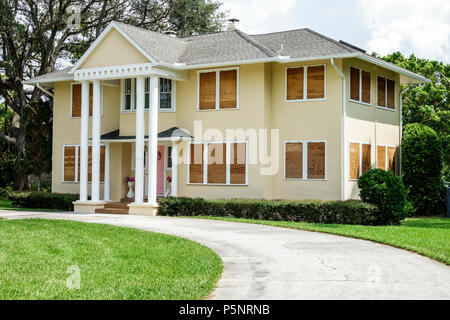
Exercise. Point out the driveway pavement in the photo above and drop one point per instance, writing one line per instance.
(263, 262)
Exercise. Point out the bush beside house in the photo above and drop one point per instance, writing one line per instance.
(386, 191)
(338, 212)
(422, 167)
(43, 200)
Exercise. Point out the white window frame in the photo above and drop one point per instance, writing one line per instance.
(305, 160)
(228, 163)
(217, 71)
(133, 92)
(77, 152)
(386, 156)
(360, 86)
(305, 83)
(360, 158)
(71, 98)
(385, 93)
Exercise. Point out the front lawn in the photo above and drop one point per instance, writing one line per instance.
(427, 236)
(38, 258)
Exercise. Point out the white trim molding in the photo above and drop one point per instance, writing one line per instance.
(361, 70)
(304, 160)
(305, 83)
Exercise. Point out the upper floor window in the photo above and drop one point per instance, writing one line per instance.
(75, 100)
(167, 96)
(386, 93)
(218, 89)
(305, 83)
(359, 85)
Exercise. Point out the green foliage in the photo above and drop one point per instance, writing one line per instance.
(422, 166)
(386, 191)
(339, 212)
(43, 200)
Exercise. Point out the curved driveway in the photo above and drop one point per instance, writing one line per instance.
(263, 262)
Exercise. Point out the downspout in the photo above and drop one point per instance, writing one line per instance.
(400, 134)
(343, 132)
(44, 90)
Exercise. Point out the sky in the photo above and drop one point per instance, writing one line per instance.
(421, 27)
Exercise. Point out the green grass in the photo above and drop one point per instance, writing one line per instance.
(114, 262)
(6, 204)
(427, 236)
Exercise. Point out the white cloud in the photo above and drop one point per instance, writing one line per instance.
(410, 26)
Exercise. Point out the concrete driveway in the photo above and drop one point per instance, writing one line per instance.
(263, 262)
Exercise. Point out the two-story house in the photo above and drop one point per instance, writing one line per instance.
(286, 115)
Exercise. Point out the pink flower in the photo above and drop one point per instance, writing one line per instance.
(169, 178)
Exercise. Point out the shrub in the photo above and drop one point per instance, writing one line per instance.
(422, 166)
(386, 191)
(338, 212)
(43, 200)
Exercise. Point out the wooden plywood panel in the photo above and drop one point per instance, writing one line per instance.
(238, 160)
(381, 157)
(217, 167)
(228, 89)
(354, 84)
(69, 163)
(390, 94)
(294, 83)
(76, 100)
(354, 160)
(316, 160)
(294, 160)
(102, 164)
(391, 158)
(196, 163)
(207, 99)
(365, 87)
(366, 157)
(316, 82)
(381, 91)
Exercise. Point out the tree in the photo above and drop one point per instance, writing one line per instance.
(428, 104)
(35, 36)
(422, 166)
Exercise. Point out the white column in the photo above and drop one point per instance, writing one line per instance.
(174, 190)
(84, 141)
(153, 139)
(140, 130)
(106, 184)
(96, 129)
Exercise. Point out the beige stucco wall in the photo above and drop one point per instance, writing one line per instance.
(367, 123)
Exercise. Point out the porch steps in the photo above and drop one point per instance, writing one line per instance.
(117, 207)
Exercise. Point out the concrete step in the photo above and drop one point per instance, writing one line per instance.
(112, 211)
(117, 205)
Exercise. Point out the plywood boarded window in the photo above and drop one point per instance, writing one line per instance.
(316, 160)
(217, 167)
(391, 159)
(294, 160)
(355, 160)
(366, 154)
(238, 160)
(76, 100)
(381, 157)
(316, 82)
(196, 163)
(386, 158)
(294, 83)
(69, 163)
(207, 91)
(228, 89)
(381, 91)
(390, 94)
(365, 87)
(354, 84)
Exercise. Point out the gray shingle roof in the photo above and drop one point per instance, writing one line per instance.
(59, 75)
(173, 132)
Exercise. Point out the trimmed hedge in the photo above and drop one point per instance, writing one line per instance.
(43, 200)
(337, 212)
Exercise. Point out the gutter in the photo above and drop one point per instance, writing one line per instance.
(343, 131)
(44, 90)
(400, 133)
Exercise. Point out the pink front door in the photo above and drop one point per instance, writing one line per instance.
(160, 172)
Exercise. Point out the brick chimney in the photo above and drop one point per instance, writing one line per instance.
(233, 24)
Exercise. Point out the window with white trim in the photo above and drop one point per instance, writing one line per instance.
(218, 89)
(386, 156)
(71, 163)
(359, 85)
(385, 93)
(360, 159)
(167, 94)
(304, 83)
(76, 98)
(305, 160)
(218, 163)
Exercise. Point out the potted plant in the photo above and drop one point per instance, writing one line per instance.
(130, 182)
